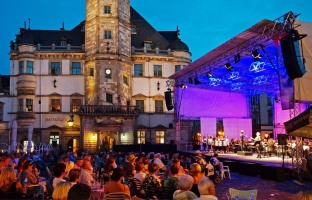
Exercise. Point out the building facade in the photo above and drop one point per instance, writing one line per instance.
(96, 85)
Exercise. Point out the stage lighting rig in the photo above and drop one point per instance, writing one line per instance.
(190, 80)
(237, 58)
(196, 81)
(256, 55)
(229, 67)
(209, 74)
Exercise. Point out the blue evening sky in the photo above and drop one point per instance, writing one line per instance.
(204, 24)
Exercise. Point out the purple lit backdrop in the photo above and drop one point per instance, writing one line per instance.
(233, 126)
(208, 126)
(207, 103)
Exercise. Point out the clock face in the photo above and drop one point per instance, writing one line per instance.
(108, 71)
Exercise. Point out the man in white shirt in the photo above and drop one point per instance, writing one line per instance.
(158, 161)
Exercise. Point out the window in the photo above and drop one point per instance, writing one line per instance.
(157, 71)
(141, 137)
(55, 68)
(107, 34)
(21, 67)
(76, 68)
(159, 106)
(107, 9)
(91, 72)
(148, 45)
(1, 111)
(20, 105)
(138, 70)
(140, 104)
(63, 43)
(125, 80)
(109, 98)
(133, 28)
(55, 105)
(75, 104)
(269, 101)
(160, 137)
(54, 138)
(108, 73)
(177, 68)
(270, 116)
(29, 105)
(29, 67)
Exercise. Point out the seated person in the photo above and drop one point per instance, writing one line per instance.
(9, 187)
(116, 185)
(215, 162)
(206, 189)
(151, 183)
(185, 184)
(79, 191)
(196, 173)
(170, 183)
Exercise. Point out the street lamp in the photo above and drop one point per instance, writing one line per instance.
(70, 122)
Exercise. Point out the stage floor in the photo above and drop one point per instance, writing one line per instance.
(264, 160)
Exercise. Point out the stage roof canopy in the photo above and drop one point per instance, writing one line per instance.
(231, 66)
(300, 126)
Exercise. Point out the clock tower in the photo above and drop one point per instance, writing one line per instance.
(108, 52)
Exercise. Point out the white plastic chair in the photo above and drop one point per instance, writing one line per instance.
(244, 194)
(225, 170)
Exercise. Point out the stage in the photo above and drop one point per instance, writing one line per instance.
(273, 161)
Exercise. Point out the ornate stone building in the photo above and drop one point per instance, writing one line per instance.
(98, 84)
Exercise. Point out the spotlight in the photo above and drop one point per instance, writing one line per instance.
(229, 67)
(237, 58)
(196, 81)
(255, 54)
(190, 80)
(209, 74)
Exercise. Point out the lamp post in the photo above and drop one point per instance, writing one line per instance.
(70, 122)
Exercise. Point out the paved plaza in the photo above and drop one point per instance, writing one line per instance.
(267, 190)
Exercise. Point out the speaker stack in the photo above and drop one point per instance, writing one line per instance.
(168, 99)
(291, 54)
(282, 139)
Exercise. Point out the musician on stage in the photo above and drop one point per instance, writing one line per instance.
(242, 137)
(204, 143)
(258, 144)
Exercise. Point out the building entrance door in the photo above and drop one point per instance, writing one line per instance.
(72, 145)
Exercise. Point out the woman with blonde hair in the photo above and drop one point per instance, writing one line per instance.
(61, 191)
(196, 173)
(9, 186)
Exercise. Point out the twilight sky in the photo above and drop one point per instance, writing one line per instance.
(203, 24)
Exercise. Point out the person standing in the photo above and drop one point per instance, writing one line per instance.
(242, 137)
(204, 143)
(209, 142)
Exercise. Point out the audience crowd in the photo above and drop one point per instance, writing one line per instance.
(139, 175)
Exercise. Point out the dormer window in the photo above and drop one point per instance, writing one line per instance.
(148, 44)
(133, 28)
(63, 41)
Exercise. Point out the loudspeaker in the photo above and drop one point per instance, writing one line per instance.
(168, 99)
(291, 55)
(282, 139)
(170, 125)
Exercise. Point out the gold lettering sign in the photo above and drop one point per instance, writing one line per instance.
(54, 119)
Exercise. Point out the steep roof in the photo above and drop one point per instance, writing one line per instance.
(76, 37)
